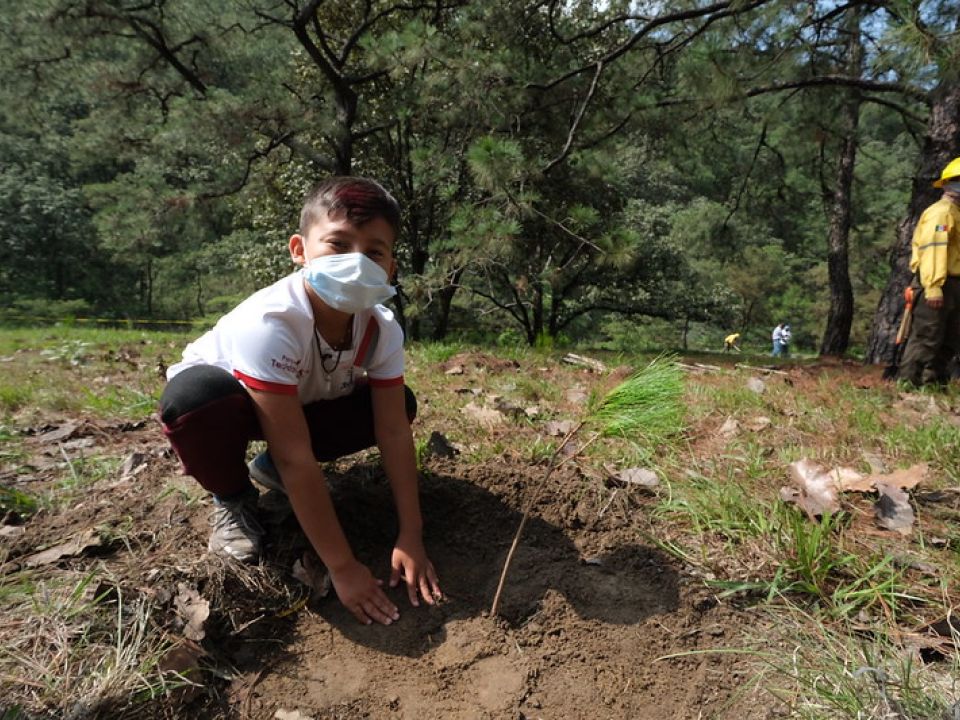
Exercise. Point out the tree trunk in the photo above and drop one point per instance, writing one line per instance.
(442, 325)
(836, 337)
(941, 144)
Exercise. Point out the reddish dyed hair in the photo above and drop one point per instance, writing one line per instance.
(360, 198)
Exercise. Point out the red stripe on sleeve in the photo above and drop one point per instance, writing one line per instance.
(254, 383)
(389, 382)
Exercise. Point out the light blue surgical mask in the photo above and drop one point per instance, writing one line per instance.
(349, 282)
(953, 186)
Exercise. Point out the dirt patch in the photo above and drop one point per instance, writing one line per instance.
(588, 610)
(579, 635)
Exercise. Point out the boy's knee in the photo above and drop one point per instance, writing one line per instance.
(410, 402)
(195, 387)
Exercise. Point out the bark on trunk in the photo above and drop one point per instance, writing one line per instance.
(941, 144)
(836, 337)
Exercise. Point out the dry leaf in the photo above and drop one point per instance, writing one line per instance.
(730, 428)
(487, 418)
(184, 660)
(814, 490)
(312, 573)
(558, 428)
(893, 509)
(576, 395)
(508, 408)
(134, 463)
(63, 432)
(181, 659)
(848, 479)
(756, 385)
(905, 478)
(439, 446)
(758, 424)
(71, 548)
(193, 611)
(641, 477)
(454, 370)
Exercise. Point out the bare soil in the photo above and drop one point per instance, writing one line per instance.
(596, 621)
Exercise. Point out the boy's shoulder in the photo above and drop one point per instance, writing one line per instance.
(284, 298)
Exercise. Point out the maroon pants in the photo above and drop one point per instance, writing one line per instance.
(209, 419)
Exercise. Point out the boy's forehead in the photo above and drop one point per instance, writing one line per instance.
(337, 222)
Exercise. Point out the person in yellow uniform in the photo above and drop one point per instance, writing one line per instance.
(730, 342)
(935, 261)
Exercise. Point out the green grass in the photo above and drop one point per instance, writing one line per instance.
(17, 501)
(835, 595)
(843, 672)
(72, 645)
(74, 369)
(935, 441)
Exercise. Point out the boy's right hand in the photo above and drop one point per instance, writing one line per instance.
(361, 593)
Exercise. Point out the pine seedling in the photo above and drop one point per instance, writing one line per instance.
(646, 406)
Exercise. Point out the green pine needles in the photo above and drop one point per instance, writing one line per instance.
(647, 404)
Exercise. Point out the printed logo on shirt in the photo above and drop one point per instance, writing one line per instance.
(940, 228)
(287, 364)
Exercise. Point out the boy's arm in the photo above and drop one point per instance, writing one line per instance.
(392, 430)
(288, 439)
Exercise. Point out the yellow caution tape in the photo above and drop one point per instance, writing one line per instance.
(115, 321)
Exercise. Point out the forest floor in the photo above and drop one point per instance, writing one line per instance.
(690, 596)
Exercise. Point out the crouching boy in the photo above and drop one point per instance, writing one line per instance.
(313, 364)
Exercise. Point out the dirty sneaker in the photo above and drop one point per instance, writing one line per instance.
(265, 472)
(236, 531)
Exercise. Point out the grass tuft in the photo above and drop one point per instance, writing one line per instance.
(647, 404)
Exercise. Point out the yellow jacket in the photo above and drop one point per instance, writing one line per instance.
(935, 250)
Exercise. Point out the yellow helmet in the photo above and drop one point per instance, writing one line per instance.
(951, 171)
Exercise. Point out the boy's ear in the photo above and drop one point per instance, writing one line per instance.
(296, 249)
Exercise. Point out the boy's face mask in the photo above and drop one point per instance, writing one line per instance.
(349, 282)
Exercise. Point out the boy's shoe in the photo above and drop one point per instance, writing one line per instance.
(265, 472)
(236, 531)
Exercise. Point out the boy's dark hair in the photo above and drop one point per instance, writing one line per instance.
(361, 199)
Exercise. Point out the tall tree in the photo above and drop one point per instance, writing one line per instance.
(836, 337)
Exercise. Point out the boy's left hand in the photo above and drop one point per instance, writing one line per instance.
(410, 563)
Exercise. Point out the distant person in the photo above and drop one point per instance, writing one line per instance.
(730, 342)
(935, 261)
(786, 335)
(314, 365)
(777, 337)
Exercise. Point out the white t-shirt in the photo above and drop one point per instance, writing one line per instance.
(269, 342)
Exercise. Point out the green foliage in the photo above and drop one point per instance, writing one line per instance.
(537, 193)
(17, 502)
(646, 405)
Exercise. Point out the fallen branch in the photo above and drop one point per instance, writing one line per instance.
(771, 371)
(586, 362)
(699, 368)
